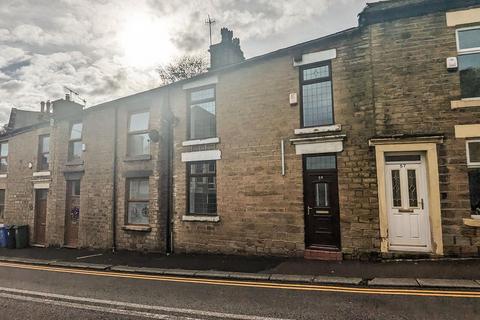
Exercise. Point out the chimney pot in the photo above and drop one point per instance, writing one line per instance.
(67, 96)
(48, 104)
(227, 52)
(42, 106)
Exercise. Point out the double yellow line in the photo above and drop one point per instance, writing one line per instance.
(251, 284)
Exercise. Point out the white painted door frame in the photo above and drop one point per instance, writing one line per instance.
(408, 222)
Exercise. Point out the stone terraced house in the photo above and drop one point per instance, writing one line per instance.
(360, 144)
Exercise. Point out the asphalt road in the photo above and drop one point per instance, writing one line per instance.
(37, 292)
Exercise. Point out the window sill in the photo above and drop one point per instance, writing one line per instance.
(74, 163)
(465, 103)
(41, 174)
(137, 228)
(330, 128)
(200, 218)
(3, 175)
(198, 142)
(474, 221)
(146, 157)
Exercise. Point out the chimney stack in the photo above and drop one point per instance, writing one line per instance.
(227, 52)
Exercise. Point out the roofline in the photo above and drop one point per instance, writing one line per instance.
(365, 18)
(243, 63)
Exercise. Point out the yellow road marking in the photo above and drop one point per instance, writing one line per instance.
(269, 285)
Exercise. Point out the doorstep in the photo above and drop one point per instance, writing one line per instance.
(325, 255)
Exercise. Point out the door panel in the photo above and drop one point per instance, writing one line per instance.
(72, 213)
(322, 210)
(40, 215)
(408, 224)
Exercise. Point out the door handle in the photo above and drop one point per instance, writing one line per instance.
(308, 210)
(421, 203)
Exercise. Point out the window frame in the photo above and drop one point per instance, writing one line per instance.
(128, 200)
(318, 80)
(189, 109)
(72, 141)
(132, 133)
(188, 176)
(466, 52)
(42, 152)
(471, 164)
(2, 205)
(469, 50)
(4, 157)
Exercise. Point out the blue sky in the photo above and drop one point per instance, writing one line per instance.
(105, 49)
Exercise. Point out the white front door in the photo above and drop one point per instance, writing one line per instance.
(407, 203)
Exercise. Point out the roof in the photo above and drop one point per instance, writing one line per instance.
(25, 118)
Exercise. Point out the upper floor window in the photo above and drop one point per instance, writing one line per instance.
(138, 143)
(468, 46)
(317, 100)
(44, 152)
(3, 157)
(202, 113)
(75, 142)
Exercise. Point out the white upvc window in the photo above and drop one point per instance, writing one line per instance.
(473, 153)
(468, 48)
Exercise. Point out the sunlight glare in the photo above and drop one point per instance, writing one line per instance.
(145, 41)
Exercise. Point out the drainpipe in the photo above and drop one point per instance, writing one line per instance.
(169, 224)
(114, 186)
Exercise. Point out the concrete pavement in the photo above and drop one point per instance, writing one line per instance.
(47, 292)
(460, 273)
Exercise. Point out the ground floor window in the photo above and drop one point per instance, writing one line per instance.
(2, 203)
(137, 201)
(474, 186)
(202, 187)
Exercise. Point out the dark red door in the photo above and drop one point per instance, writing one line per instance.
(72, 213)
(322, 216)
(40, 215)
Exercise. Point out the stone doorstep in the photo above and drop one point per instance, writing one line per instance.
(324, 255)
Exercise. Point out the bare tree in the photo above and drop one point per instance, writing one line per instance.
(182, 68)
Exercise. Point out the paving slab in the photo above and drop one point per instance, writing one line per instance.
(213, 274)
(449, 283)
(394, 282)
(291, 278)
(81, 265)
(337, 280)
(249, 276)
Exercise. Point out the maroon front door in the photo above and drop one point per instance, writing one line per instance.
(72, 213)
(322, 216)
(40, 215)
